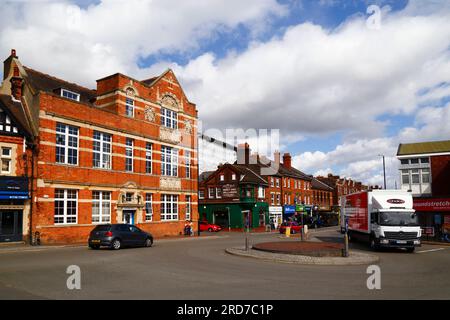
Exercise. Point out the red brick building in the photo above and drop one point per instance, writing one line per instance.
(341, 187)
(124, 152)
(322, 195)
(286, 185)
(425, 172)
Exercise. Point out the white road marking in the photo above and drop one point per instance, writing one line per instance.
(431, 250)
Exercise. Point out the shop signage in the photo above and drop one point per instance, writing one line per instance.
(289, 209)
(229, 191)
(299, 208)
(432, 205)
(428, 231)
(275, 210)
(13, 188)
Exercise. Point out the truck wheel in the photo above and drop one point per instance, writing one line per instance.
(410, 250)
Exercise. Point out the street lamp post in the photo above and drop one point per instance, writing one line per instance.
(384, 170)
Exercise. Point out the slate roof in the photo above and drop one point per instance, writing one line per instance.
(205, 175)
(317, 184)
(48, 83)
(247, 174)
(423, 147)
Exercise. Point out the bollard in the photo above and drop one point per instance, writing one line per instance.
(346, 245)
(288, 232)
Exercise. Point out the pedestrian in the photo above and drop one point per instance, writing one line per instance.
(191, 228)
(187, 230)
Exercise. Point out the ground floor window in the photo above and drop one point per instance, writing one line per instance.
(169, 207)
(66, 206)
(188, 207)
(148, 207)
(101, 207)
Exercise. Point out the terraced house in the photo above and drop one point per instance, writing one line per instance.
(123, 152)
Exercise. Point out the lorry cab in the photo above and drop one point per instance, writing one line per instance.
(395, 228)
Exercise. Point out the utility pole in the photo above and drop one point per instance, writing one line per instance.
(384, 170)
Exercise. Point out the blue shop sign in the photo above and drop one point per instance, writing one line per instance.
(289, 210)
(14, 188)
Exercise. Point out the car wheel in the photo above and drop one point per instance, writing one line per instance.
(210, 229)
(116, 244)
(148, 242)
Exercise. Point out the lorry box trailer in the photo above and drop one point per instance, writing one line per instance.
(384, 218)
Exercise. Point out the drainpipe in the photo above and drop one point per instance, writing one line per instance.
(33, 149)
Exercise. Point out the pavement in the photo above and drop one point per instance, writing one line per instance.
(200, 269)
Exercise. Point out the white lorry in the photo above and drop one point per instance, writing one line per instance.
(384, 218)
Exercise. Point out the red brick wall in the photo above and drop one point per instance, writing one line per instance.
(440, 171)
(85, 178)
(21, 163)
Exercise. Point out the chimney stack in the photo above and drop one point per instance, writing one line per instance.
(287, 160)
(243, 153)
(16, 82)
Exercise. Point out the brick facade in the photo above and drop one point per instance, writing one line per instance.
(440, 175)
(341, 186)
(104, 112)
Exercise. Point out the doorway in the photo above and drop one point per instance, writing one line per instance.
(128, 216)
(11, 226)
(221, 218)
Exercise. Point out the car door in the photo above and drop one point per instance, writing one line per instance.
(125, 234)
(136, 235)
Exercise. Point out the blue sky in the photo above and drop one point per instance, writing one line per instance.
(340, 91)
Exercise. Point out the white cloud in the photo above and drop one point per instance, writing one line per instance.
(307, 81)
(82, 45)
(312, 80)
(432, 123)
